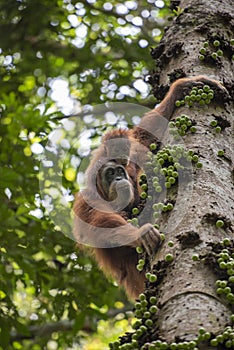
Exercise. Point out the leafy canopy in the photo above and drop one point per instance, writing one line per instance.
(55, 57)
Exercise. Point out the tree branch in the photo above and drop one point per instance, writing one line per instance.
(44, 330)
(62, 326)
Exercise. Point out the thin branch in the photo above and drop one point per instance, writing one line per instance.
(44, 330)
(47, 329)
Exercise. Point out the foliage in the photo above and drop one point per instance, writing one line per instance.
(56, 56)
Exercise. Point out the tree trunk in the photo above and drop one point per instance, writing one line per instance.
(199, 42)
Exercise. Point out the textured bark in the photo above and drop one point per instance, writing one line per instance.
(187, 293)
(186, 290)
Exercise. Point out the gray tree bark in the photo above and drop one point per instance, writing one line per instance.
(186, 288)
